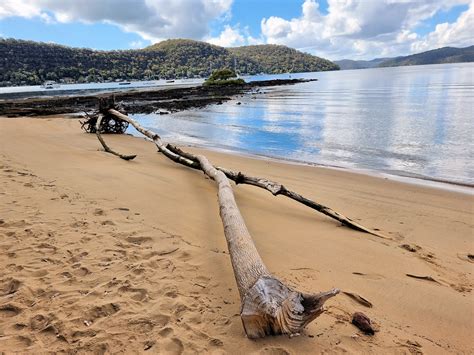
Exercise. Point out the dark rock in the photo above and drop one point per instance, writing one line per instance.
(361, 321)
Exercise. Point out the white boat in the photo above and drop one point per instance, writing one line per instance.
(50, 85)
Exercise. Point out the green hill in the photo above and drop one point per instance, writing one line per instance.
(435, 56)
(32, 63)
(281, 59)
(348, 64)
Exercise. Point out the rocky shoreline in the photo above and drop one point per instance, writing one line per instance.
(139, 101)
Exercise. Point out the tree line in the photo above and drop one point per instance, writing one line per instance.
(32, 63)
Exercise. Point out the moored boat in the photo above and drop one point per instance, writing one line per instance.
(50, 85)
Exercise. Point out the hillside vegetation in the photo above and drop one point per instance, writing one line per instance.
(347, 64)
(32, 63)
(281, 59)
(435, 56)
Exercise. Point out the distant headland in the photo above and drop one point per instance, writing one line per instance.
(435, 56)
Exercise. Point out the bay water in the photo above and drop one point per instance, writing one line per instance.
(413, 121)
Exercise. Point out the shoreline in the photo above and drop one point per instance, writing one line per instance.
(426, 181)
(106, 254)
(172, 99)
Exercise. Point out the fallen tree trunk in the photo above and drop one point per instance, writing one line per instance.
(268, 307)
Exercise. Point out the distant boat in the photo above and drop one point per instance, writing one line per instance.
(50, 85)
(170, 81)
(125, 83)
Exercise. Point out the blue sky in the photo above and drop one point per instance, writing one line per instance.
(335, 29)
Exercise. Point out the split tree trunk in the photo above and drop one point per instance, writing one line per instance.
(268, 307)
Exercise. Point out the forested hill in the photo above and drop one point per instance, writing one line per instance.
(273, 58)
(32, 63)
(435, 56)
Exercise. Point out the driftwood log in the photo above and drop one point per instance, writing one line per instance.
(268, 307)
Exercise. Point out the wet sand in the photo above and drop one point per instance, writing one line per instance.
(99, 254)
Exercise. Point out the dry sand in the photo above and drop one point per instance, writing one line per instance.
(98, 254)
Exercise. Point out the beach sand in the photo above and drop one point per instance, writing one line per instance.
(99, 254)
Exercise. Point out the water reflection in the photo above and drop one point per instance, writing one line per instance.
(415, 120)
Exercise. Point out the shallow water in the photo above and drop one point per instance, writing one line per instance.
(21, 92)
(415, 121)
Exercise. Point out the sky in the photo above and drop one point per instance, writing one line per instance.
(333, 29)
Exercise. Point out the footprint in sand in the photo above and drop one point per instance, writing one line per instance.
(9, 286)
(38, 322)
(166, 332)
(138, 294)
(139, 240)
(82, 271)
(174, 346)
(141, 325)
(52, 334)
(10, 310)
(46, 247)
(39, 273)
(17, 342)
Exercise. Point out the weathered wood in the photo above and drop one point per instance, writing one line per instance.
(157, 140)
(278, 189)
(420, 277)
(104, 145)
(268, 307)
(358, 298)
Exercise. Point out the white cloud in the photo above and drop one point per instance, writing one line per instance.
(13, 8)
(229, 37)
(153, 20)
(368, 28)
(457, 34)
(233, 37)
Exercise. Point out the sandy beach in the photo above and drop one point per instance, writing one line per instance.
(102, 255)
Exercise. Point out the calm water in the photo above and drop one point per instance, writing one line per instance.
(415, 121)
